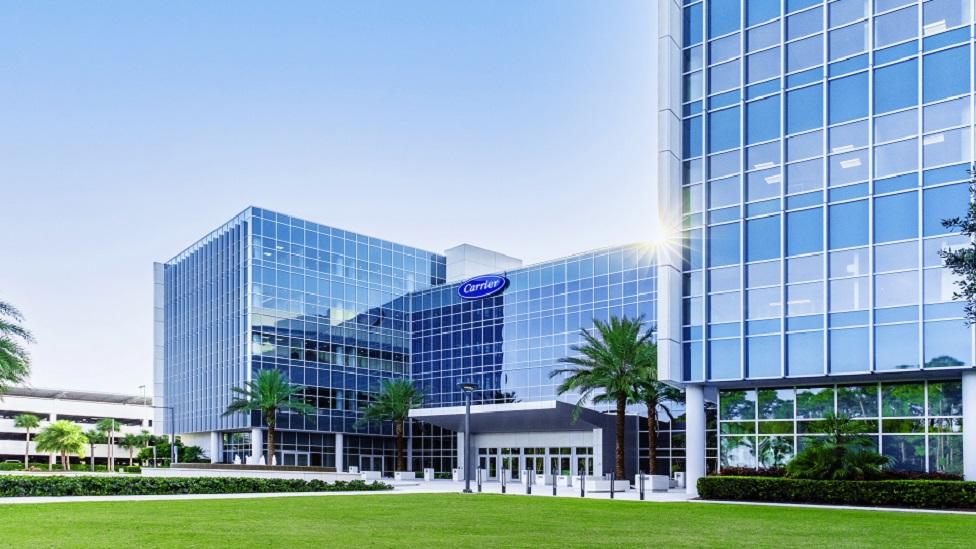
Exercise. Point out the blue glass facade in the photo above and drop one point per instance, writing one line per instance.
(814, 148)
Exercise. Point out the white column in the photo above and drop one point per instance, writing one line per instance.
(460, 452)
(52, 460)
(257, 445)
(695, 437)
(969, 424)
(409, 463)
(216, 447)
(339, 451)
(598, 452)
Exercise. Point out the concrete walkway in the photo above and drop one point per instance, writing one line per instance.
(446, 486)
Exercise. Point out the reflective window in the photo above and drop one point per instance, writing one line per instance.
(763, 184)
(938, 15)
(849, 353)
(762, 238)
(894, 126)
(763, 303)
(896, 86)
(804, 299)
(814, 402)
(763, 65)
(849, 136)
(858, 400)
(849, 262)
(940, 285)
(723, 192)
(896, 289)
(848, 41)
(804, 109)
(804, 53)
(898, 157)
(763, 357)
(896, 347)
(762, 119)
(720, 280)
(724, 308)
(896, 217)
(849, 224)
(762, 156)
(804, 146)
(724, 358)
(723, 17)
(845, 11)
(720, 165)
(895, 26)
(943, 203)
(945, 74)
(946, 147)
(849, 294)
(947, 343)
(723, 129)
(762, 274)
(723, 244)
(758, 11)
(723, 49)
(804, 356)
(896, 257)
(693, 59)
(803, 269)
(804, 231)
(804, 176)
(947, 114)
(764, 36)
(723, 77)
(804, 23)
(848, 167)
(692, 24)
(848, 98)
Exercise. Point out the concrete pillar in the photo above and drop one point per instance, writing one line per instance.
(216, 447)
(597, 452)
(257, 445)
(969, 424)
(52, 460)
(695, 437)
(460, 452)
(409, 463)
(340, 466)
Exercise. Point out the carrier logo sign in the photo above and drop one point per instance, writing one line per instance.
(481, 287)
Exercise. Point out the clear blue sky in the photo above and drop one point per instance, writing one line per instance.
(130, 129)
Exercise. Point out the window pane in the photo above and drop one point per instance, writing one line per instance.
(858, 400)
(814, 402)
(804, 109)
(849, 262)
(849, 350)
(849, 224)
(947, 343)
(945, 454)
(945, 398)
(896, 257)
(907, 452)
(938, 15)
(848, 137)
(898, 157)
(758, 11)
(805, 356)
(848, 167)
(804, 269)
(848, 98)
(896, 86)
(940, 285)
(737, 405)
(763, 65)
(763, 303)
(804, 230)
(804, 53)
(804, 299)
(895, 126)
(762, 156)
(946, 147)
(762, 238)
(896, 217)
(896, 289)
(896, 347)
(723, 129)
(724, 308)
(763, 184)
(692, 25)
(947, 114)
(723, 77)
(724, 358)
(848, 41)
(943, 203)
(762, 119)
(720, 165)
(723, 17)
(804, 176)
(764, 36)
(723, 192)
(763, 356)
(946, 73)
(723, 244)
(895, 26)
(845, 11)
(804, 146)
(720, 280)
(804, 23)
(723, 49)
(849, 294)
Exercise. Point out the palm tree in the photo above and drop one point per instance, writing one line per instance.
(28, 422)
(269, 393)
(109, 427)
(607, 370)
(14, 359)
(130, 442)
(393, 403)
(62, 437)
(653, 394)
(94, 436)
(846, 453)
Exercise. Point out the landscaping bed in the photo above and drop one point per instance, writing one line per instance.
(33, 486)
(921, 494)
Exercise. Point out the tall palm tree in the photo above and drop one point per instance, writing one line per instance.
(27, 422)
(94, 436)
(393, 403)
(14, 358)
(608, 366)
(269, 392)
(653, 394)
(109, 426)
(130, 442)
(62, 437)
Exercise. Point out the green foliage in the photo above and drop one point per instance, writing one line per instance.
(131, 469)
(62, 437)
(14, 358)
(931, 494)
(846, 453)
(269, 392)
(36, 486)
(27, 421)
(961, 261)
(190, 454)
(393, 403)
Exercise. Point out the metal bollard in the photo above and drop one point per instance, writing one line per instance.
(641, 483)
(554, 484)
(612, 478)
(479, 480)
(528, 482)
(503, 480)
(582, 486)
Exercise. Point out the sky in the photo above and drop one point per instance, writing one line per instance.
(130, 129)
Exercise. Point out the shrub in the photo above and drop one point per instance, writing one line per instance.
(918, 475)
(20, 486)
(932, 494)
(131, 469)
(846, 453)
(752, 472)
(11, 466)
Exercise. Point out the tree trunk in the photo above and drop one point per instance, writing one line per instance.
(64, 460)
(652, 436)
(27, 452)
(130, 457)
(398, 432)
(271, 439)
(619, 466)
(91, 461)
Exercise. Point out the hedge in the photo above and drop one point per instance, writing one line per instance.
(931, 494)
(26, 486)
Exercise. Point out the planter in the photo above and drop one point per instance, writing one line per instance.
(404, 475)
(371, 475)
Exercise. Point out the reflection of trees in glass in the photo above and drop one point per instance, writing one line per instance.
(944, 361)
(738, 451)
(902, 399)
(775, 451)
(776, 403)
(945, 454)
(857, 400)
(945, 398)
(907, 452)
(845, 453)
(739, 404)
(814, 402)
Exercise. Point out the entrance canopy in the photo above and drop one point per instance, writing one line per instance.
(518, 417)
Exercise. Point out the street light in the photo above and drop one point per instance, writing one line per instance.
(468, 389)
(172, 434)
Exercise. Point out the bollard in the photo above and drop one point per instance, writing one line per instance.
(479, 480)
(582, 486)
(503, 480)
(528, 485)
(553, 483)
(641, 483)
(612, 478)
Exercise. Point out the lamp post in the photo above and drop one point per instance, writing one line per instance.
(468, 389)
(172, 435)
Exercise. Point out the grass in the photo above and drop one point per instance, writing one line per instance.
(455, 520)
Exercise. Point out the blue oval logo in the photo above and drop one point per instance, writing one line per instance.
(481, 287)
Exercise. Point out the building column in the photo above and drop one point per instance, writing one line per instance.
(969, 424)
(339, 451)
(409, 463)
(216, 447)
(257, 445)
(460, 452)
(695, 437)
(598, 452)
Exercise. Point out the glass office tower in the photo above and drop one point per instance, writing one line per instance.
(810, 151)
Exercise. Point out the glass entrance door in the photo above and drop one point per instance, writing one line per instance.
(559, 459)
(489, 463)
(371, 463)
(299, 459)
(512, 463)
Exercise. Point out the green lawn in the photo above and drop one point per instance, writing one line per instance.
(453, 520)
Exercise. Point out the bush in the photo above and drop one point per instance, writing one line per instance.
(11, 466)
(752, 472)
(131, 469)
(931, 494)
(35, 486)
